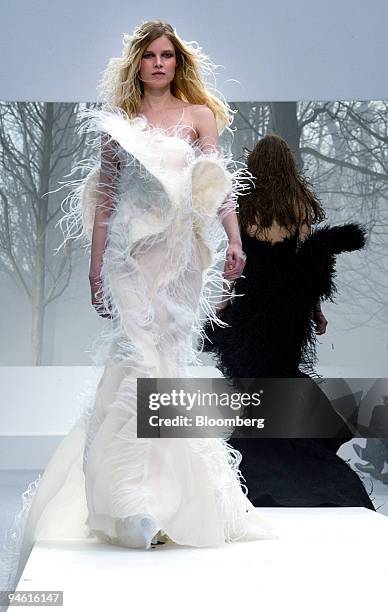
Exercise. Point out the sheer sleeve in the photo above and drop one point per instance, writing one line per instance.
(105, 204)
(228, 206)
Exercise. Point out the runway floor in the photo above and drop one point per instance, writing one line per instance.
(315, 563)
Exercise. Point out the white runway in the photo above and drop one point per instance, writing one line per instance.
(325, 559)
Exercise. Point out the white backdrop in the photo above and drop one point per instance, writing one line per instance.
(278, 50)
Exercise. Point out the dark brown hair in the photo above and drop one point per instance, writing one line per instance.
(280, 193)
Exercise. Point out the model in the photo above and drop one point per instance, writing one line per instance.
(153, 210)
(273, 318)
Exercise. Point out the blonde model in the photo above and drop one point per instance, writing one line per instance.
(153, 209)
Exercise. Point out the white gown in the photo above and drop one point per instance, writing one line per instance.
(158, 273)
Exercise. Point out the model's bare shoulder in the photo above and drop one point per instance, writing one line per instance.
(201, 112)
(204, 122)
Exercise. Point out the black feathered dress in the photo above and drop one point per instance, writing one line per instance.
(271, 333)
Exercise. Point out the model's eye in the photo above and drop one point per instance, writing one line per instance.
(165, 54)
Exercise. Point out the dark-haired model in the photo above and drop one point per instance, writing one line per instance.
(274, 316)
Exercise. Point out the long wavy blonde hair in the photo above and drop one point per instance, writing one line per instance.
(121, 86)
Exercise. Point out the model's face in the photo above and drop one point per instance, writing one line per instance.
(158, 63)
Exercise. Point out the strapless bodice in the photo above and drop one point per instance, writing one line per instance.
(163, 180)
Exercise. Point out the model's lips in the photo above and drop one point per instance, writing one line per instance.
(162, 73)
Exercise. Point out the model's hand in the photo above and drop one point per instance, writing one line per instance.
(235, 261)
(320, 322)
(96, 294)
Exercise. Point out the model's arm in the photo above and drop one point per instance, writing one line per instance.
(205, 125)
(104, 208)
